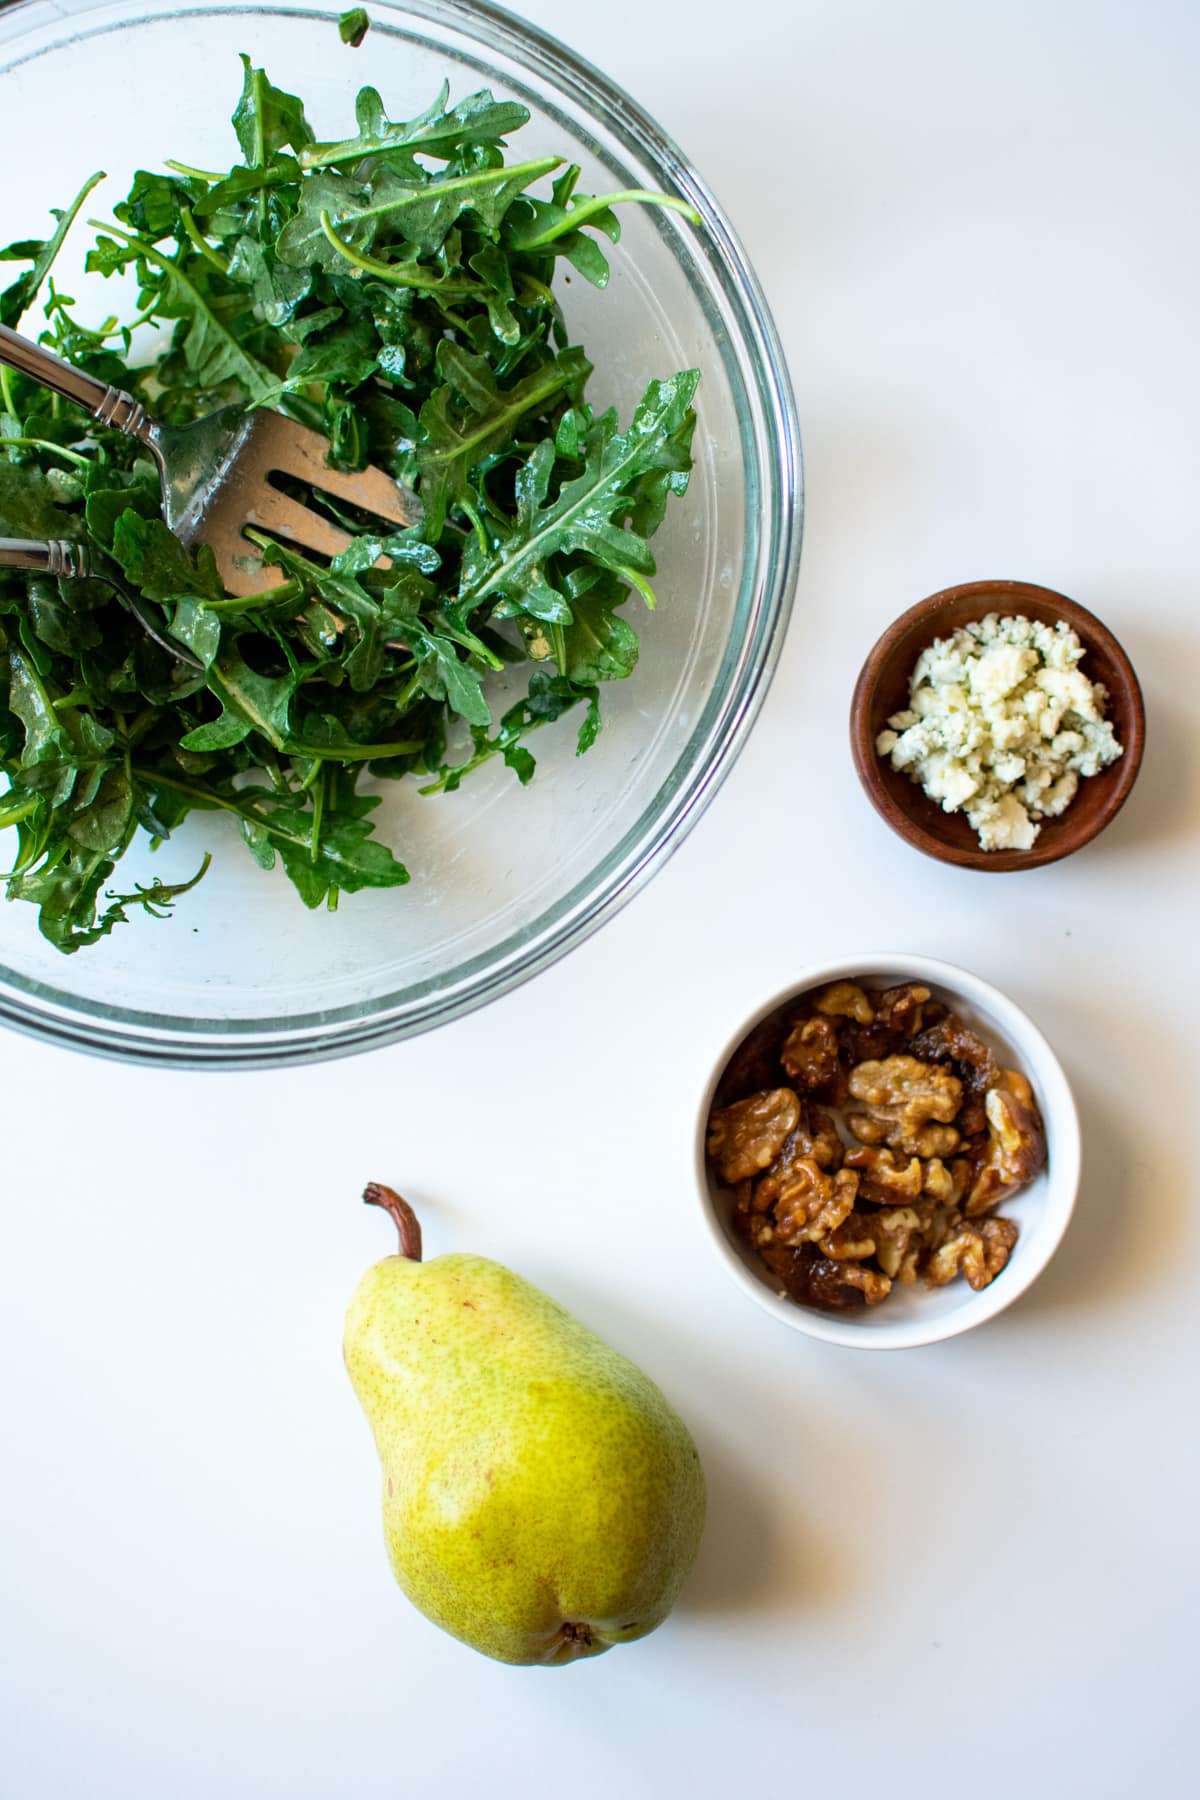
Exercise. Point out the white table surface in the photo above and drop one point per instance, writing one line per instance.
(969, 1569)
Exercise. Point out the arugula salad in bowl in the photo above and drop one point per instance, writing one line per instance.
(522, 335)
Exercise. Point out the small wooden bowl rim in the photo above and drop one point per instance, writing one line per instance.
(1058, 837)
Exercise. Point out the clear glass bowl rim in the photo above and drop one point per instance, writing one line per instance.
(265, 1043)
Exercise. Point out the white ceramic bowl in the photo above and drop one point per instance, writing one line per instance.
(919, 1315)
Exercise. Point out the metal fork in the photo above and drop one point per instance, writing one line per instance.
(62, 557)
(216, 472)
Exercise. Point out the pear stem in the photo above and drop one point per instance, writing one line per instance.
(407, 1223)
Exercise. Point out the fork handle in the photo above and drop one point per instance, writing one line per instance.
(58, 557)
(108, 405)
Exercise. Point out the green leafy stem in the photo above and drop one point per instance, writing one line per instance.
(598, 203)
(510, 175)
(406, 274)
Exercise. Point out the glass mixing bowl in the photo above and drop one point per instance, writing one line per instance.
(504, 879)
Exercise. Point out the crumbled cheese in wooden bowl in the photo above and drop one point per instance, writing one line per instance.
(1001, 724)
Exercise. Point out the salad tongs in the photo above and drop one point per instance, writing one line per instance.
(216, 471)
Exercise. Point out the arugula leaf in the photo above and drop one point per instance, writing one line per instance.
(335, 209)
(28, 699)
(262, 701)
(344, 856)
(211, 351)
(549, 697)
(599, 644)
(17, 299)
(353, 27)
(469, 418)
(266, 119)
(438, 131)
(444, 676)
(581, 518)
(157, 563)
(222, 734)
(66, 892)
(29, 504)
(68, 895)
(347, 354)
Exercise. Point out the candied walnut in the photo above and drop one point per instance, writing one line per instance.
(816, 1136)
(899, 1011)
(824, 1140)
(976, 1248)
(974, 1063)
(894, 1236)
(814, 1140)
(962, 1174)
(808, 1202)
(874, 1286)
(936, 1140)
(1016, 1142)
(952, 1037)
(972, 1119)
(810, 1054)
(905, 1097)
(869, 1131)
(938, 1182)
(745, 1138)
(899, 1240)
(852, 1240)
(845, 1000)
(921, 1089)
(812, 1279)
(884, 1180)
(930, 1140)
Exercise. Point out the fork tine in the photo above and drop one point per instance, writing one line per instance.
(294, 450)
(277, 512)
(238, 561)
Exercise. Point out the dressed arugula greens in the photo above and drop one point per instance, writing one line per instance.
(393, 290)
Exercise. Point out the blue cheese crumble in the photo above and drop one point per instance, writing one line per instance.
(1001, 724)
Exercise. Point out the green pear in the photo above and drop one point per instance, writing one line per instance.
(541, 1501)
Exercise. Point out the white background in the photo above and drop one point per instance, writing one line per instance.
(965, 1569)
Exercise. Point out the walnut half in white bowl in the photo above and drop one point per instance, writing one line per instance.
(887, 1152)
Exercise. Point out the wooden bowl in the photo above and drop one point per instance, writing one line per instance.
(882, 689)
